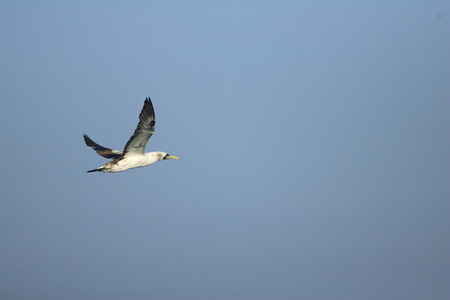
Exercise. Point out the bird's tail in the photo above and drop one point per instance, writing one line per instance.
(96, 170)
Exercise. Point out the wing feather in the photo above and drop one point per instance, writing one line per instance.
(145, 129)
(103, 151)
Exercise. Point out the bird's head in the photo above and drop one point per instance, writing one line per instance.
(168, 156)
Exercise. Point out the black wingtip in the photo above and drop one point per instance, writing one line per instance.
(87, 139)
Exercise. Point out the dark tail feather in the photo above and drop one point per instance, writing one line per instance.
(94, 170)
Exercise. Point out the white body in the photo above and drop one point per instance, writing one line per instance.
(132, 161)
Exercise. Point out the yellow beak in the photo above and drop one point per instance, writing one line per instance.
(171, 157)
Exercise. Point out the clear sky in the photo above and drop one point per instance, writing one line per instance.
(313, 139)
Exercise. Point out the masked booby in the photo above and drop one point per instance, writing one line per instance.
(133, 155)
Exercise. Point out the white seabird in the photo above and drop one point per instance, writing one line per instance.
(133, 155)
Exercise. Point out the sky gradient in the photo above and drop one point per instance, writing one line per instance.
(313, 139)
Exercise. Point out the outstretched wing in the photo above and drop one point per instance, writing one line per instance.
(105, 152)
(145, 128)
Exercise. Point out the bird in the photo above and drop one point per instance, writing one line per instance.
(133, 155)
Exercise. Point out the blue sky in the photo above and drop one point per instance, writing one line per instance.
(313, 141)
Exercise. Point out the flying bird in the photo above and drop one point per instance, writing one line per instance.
(133, 155)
